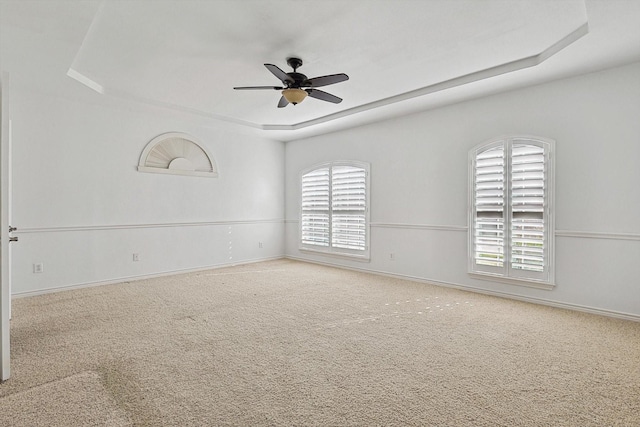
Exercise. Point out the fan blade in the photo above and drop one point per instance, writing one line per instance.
(324, 96)
(258, 87)
(283, 102)
(284, 77)
(326, 80)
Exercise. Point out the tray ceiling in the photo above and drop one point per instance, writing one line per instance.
(401, 56)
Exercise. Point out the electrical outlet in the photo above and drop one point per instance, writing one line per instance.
(136, 257)
(260, 245)
(392, 256)
(38, 268)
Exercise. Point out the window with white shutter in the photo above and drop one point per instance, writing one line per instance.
(315, 207)
(510, 222)
(334, 209)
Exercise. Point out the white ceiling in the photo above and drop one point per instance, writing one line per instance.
(401, 56)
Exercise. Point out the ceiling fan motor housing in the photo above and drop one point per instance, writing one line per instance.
(298, 79)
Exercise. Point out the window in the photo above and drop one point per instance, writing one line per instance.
(335, 209)
(177, 154)
(510, 221)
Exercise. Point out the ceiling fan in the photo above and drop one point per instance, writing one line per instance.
(297, 86)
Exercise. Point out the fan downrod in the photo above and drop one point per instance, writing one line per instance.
(294, 63)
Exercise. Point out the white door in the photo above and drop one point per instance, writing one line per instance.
(5, 287)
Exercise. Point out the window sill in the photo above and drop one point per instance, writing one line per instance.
(343, 255)
(529, 283)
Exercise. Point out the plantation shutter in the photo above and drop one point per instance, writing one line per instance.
(510, 212)
(348, 206)
(315, 207)
(527, 207)
(489, 207)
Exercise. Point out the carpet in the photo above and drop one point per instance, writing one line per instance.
(286, 343)
(78, 400)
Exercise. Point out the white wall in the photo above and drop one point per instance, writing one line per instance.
(419, 180)
(82, 209)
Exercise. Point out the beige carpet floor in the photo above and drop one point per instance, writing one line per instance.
(80, 400)
(285, 343)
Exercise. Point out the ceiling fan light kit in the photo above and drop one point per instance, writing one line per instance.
(297, 86)
(294, 96)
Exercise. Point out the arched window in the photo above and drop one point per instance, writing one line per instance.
(510, 216)
(334, 208)
(177, 154)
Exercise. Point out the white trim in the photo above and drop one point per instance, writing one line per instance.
(81, 78)
(598, 235)
(148, 169)
(558, 233)
(529, 283)
(420, 226)
(5, 218)
(138, 277)
(340, 255)
(25, 230)
(540, 301)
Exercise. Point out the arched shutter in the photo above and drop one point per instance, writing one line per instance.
(349, 206)
(315, 207)
(527, 207)
(489, 207)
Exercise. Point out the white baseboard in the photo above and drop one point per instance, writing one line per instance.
(137, 277)
(551, 303)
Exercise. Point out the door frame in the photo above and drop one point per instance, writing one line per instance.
(5, 260)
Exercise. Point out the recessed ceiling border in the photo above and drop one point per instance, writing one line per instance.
(508, 67)
(505, 68)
